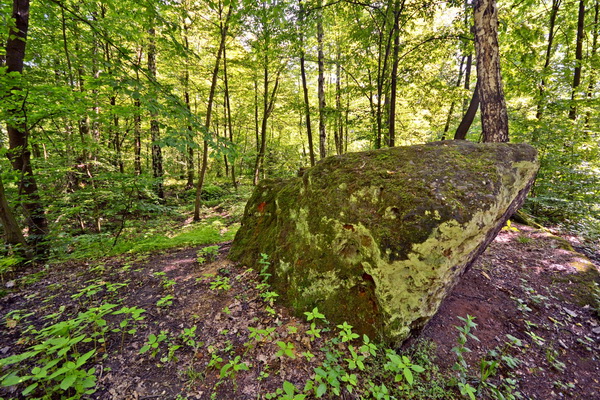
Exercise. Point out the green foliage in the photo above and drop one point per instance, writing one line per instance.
(55, 365)
(474, 387)
(207, 254)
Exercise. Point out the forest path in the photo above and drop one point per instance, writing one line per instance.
(527, 284)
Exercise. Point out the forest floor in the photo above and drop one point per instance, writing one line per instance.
(534, 303)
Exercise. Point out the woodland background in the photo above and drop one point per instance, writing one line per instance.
(136, 110)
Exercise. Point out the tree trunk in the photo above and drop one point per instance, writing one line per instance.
(311, 150)
(18, 135)
(268, 104)
(467, 85)
(228, 115)
(157, 161)
(578, 59)
(339, 126)
(553, 14)
(467, 121)
(394, 78)
(451, 111)
(494, 116)
(321, 83)
(189, 156)
(211, 97)
(593, 55)
(12, 232)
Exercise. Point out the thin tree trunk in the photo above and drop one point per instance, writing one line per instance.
(311, 150)
(211, 97)
(137, 123)
(268, 104)
(467, 85)
(394, 78)
(578, 59)
(321, 83)
(18, 135)
(228, 115)
(256, 129)
(157, 161)
(594, 52)
(189, 156)
(494, 116)
(467, 121)
(339, 128)
(452, 105)
(542, 88)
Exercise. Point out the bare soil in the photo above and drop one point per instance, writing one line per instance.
(528, 284)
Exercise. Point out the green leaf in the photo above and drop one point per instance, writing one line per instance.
(68, 382)
(29, 389)
(12, 379)
(289, 388)
(224, 370)
(321, 390)
(409, 376)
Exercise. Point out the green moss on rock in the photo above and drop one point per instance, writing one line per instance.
(378, 238)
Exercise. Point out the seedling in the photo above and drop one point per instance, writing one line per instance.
(207, 254)
(285, 349)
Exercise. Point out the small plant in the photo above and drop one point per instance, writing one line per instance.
(346, 333)
(508, 227)
(285, 349)
(207, 254)
(231, 369)
(523, 239)
(401, 367)
(264, 266)
(220, 283)
(153, 342)
(165, 301)
(166, 283)
(461, 365)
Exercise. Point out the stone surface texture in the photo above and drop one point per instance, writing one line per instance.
(379, 238)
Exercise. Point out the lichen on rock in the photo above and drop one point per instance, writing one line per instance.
(378, 238)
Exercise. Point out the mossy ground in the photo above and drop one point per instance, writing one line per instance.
(222, 302)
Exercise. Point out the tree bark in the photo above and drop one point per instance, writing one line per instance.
(311, 150)
(12, 232)
(398, 7)
(321, 83)
(157, 161)
(593, 55)
(578, 59)
(494, 116)
(452, 105)
(211, 97)
(189, 154)
(18, 135)
(553, 14)
(467, 121)
(228, 115)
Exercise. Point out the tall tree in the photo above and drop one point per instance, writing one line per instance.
(157, 159)
(18, 134)
(223, 29)
(494, 116)
(321, 81)
(547, 57)
(301, 23)
(578, 59)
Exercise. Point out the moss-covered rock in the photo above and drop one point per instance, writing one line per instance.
(379, 238)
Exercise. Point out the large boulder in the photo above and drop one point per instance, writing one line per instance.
(379, 238)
